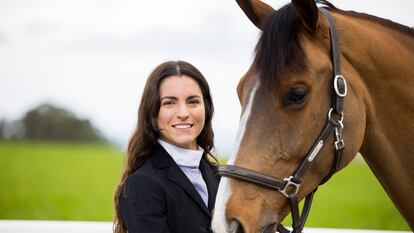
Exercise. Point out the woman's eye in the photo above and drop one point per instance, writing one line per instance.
(166, 103)
(295, 95)
(194, 102)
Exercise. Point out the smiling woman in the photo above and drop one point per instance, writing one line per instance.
(169, 182)
(181, 116)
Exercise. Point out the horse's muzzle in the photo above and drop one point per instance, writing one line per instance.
(236, 227)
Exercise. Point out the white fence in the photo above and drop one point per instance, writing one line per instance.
(18, 226)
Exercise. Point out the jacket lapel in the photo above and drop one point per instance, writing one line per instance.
(161, 159)
(212, 180)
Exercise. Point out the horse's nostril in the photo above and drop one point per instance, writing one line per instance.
(271, 228)
(235, 227)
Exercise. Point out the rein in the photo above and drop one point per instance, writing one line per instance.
(289, 186)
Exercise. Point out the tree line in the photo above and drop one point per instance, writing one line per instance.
(51, 123)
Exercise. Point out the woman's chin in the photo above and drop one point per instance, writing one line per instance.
(187, 144)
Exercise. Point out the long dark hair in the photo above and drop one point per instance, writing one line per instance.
(144, 138)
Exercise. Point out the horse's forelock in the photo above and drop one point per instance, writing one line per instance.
(279, 46)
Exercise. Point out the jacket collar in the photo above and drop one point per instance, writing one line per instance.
(182, 156)
(162, 160)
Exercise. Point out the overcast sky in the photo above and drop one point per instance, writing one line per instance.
(93, 56)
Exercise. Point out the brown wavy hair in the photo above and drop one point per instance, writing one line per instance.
(144, 138)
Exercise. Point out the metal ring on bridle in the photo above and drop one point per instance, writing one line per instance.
(289, 183)
(341, 114)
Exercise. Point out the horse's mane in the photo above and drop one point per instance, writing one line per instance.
(384, 22)
(279, 46)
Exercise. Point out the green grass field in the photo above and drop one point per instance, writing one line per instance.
(56, 181)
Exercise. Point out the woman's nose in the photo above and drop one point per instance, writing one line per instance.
(182, 111)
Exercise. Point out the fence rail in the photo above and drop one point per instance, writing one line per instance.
(39, 226)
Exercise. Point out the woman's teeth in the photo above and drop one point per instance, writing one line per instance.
(182, 126)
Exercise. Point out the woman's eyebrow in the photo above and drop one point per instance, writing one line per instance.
(194, 97)
(169, 97)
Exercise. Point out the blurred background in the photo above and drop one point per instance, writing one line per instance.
(71, 77)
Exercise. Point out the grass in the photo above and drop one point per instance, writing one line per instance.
(58, 181)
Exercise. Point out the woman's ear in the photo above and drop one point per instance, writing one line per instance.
(256, 10)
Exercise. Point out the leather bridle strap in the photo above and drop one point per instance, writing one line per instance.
(340, 91)
(250, 176)
(298, 222)
(289, 186)
(340, 87)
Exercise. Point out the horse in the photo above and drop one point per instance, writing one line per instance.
(324, 85)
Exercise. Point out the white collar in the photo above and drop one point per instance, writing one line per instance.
(181, 156)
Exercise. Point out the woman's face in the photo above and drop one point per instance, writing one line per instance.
(182, 114)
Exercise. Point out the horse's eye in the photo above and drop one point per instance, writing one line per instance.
(295, 95)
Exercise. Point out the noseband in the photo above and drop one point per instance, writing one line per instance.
(289, 186)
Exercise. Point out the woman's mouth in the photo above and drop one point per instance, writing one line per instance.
(182, 126)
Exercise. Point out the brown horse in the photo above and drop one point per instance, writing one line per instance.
(285, 97)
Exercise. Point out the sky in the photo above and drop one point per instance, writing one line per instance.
(93, 57)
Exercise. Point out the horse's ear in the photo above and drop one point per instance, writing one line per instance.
(256, 10)
(307, 12)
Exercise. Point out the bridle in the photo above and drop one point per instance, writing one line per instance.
(289, 186)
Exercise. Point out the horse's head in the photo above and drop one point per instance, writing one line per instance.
(285, 96)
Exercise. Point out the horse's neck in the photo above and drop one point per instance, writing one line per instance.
(383, 59)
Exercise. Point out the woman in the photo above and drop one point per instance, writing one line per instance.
(169, 183)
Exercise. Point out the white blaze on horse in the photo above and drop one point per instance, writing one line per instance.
(324, 85)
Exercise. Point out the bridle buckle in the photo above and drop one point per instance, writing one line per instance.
(340, 144)
(341, 88)
(290, 183)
